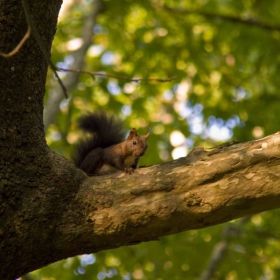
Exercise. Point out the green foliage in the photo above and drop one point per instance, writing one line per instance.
(225, 55)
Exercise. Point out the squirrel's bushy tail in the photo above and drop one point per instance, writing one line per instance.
(105, 131)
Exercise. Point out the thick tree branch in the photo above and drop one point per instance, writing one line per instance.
(204, 189)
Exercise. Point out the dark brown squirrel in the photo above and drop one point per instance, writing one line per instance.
(107, 150)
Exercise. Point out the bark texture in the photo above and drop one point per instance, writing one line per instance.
(49, 210)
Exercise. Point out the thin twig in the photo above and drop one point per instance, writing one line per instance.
(20, 44)
(93, 74)
(54, 68)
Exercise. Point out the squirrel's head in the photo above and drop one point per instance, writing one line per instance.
(137, 144)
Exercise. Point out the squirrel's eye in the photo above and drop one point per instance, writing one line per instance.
(134, 142)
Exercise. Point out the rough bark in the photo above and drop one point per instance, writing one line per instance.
(49, 210)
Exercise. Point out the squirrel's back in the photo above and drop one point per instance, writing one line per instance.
(105, 130)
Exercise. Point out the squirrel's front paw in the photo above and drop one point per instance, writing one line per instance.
(129, 170)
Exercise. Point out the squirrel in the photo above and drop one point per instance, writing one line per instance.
(107, 150)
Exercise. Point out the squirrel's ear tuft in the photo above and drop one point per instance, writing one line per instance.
(132, 134)
(146, 136)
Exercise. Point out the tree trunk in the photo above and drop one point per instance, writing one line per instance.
(49, 210)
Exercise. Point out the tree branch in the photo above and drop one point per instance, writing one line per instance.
(93, 74)
(220, 249)
(208, 15)
(203, 189)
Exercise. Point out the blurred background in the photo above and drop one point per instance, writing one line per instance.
(225, 55)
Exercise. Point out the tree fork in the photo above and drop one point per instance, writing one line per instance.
(60, 220)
